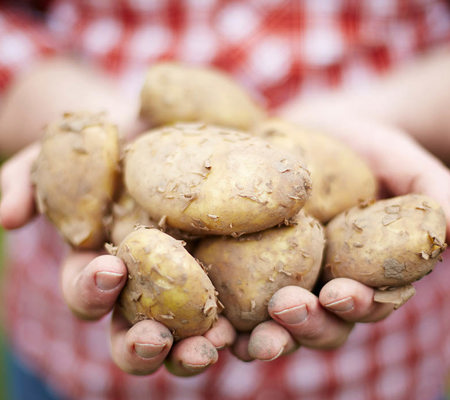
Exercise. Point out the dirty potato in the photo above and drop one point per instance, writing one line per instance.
(76, 176)
(126, 215)
(392, 242)
(166, 284)
(176, 93)
(247, 271)
(209, 180)
(341, 179)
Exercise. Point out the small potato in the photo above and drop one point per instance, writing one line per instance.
(126, 216)
(248, 270)
(180, 93)
(76, 175)
(392, 242)
(340, 178)
(209, 180)
(166, 284)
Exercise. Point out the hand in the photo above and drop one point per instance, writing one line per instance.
(91, 284)
(299, 317)
(302, 319)
(400, 164)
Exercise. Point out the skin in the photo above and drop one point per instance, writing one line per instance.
(61, 85)
(301, 318)
(395, 101)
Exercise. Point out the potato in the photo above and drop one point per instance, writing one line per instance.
(76, 176)
(392, 242)
(341, 179)
(248, 270)
(209, 180)
(126, 216)
(166, 284)
(180, 93)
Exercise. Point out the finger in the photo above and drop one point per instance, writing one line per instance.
(141, 349)
(353, 301)
(191, 356)
(300, 312)
(222, 334)
(240, 347)
(17, 202)
(92, 283)
(269, 340)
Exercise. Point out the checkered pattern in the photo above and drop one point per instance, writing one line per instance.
(277, 49)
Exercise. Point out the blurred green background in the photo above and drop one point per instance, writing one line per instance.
(3, 377)
(3, 380)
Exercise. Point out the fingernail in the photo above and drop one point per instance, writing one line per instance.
(106, 280)
(294, 315)
(148, 350)
(343, 305)
(194, 367)
(280, 352)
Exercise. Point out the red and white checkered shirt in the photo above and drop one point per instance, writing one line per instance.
(277, 49)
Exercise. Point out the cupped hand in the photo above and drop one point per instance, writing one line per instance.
(299, 318)
(91, 283)
(398, 161)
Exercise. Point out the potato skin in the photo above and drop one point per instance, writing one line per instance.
(209, 180)
(126, 215)
(340, 178)
(247, 271)
(180, 93)
(392, 242)
(165, 283)
(76, 176)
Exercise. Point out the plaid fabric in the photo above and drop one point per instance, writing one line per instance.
(277, 49)
(22, 41)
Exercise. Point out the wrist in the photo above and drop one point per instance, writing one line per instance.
(52, 88)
